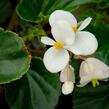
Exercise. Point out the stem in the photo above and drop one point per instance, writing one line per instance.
(27, 51)
(82, 58)
(12, 21)
(37, 52)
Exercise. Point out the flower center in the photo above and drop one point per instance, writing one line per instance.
(75, 29)
(95, 82)
(58, 45)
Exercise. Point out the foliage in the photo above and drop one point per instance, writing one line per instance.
(14, 61)
(38, 89)
(38, 10)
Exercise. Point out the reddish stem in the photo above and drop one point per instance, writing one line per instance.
(82, 58)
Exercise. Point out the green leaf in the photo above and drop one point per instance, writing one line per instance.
(92, 98)
(38, 89)
(5, 10)
(14, 61)
(103, 54)
(40, 9)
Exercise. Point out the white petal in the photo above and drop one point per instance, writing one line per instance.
(84, 81)
(85, 44)
(73, 74)
(101, 70)
(93, 68)
(67, 87)
(86, 68)
(93, 75)
(47, 41)
(84, 78)
(56, 60)
(99, 65)
(101, 75)
(63, 32)
(67, 74)
(85, 23)
(62, 15)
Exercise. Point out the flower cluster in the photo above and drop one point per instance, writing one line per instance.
(69, 37)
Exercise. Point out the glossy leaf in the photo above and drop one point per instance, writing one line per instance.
(38, 89)
(14, 61)
(103, 54)
(40, 9)
(92, 98)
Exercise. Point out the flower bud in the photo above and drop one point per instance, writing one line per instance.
(67, 87)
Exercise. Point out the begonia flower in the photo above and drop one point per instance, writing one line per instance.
(92, 70)
(63, 23)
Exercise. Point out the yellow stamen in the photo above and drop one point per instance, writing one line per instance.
(75, 28)
(58, 45)
(95, 82)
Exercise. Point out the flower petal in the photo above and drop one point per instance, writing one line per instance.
(67, 74)
(67, 87)
(85, 44)
(84, 81)
(85, 23)
(63, 32)
(47, 40)
(62, 15)
(86, 68)
(101, 70)
(56, 60)
(99, 65)
(94, 68)
(101, 75)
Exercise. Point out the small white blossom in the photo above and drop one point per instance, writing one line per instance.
(68, 77)
(93, 70)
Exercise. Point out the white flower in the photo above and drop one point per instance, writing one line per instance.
(57, 57)
(68, 77)
(92, 70)
(64, 24)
